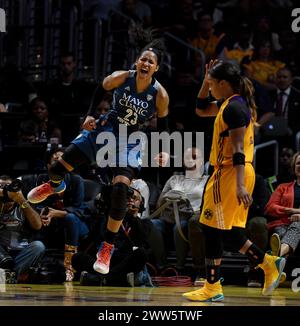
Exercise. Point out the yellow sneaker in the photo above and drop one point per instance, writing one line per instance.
(208, 293)
(273, 267)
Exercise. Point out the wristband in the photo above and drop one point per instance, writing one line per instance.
(162, 124)
(25, 204)
(238, 158)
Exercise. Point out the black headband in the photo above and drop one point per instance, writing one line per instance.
(156, 52)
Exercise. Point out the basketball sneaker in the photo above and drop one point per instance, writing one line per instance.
(104, 254)
(273, 268)
(208, 293)
(42, 192)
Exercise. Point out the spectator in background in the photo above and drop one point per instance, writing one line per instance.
(66, 94)
(206, 38)
(263, 67)
(27, 132)
(241, 45)
(190, 186)
(289, 53)
(104, 105)
(66, 210)
(285, 172)
(283, 208)
(99, 9)
(40, 124)
(137, 10)
(263, 31)
(19, 223)
(285, 101)
(131, 251)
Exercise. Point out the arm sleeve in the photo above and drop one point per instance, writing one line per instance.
(203, 103)
(162, 124)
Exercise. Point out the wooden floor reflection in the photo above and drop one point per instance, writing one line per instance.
(76, 295)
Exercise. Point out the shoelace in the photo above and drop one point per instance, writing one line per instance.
(41, 190)
(105, 254)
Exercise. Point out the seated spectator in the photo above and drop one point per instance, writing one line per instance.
(284, 210)
(19, 223)
(27, 133)
(191, 186)
(285, 173)
(137, 10)
(263, 67)
(67, 94)
(40, 123)
(285, 101)
(64, 211)
(104, 105)
(206, 39)
(131, 253)
(241, 47)
(99, 9)
(289, 53)
(264, 30)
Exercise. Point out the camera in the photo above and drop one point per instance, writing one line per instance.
(14, 186)
(130, 192)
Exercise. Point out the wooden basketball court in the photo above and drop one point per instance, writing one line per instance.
(72, 294)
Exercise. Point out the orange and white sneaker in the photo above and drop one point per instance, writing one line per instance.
(208, 293)
(273, 268)
(42, 192)
(104, 254)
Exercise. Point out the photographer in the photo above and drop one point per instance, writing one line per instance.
(131, 252)
(18, 223)
(64, 216)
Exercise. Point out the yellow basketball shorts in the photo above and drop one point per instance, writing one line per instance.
(221, 209)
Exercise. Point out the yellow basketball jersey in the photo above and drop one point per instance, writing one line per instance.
(221, 150)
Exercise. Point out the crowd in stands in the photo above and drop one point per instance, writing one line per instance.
(44, 117)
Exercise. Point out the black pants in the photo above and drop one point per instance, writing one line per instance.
(120, 266)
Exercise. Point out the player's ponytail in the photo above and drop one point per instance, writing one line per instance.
(246, 89)
(149, 40)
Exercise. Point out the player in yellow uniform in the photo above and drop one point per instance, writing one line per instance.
(228, 193)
